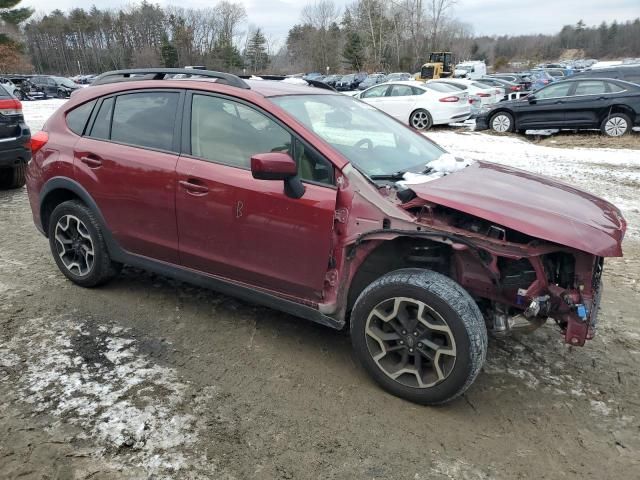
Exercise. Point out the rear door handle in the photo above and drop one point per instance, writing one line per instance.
(194, 188)
(92, 161)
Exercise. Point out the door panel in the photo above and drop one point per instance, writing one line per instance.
(135, 191)
(248, 230)
(244, 229)
(586, 106)
(549, 109)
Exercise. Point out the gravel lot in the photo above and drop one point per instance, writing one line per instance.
(152, 378)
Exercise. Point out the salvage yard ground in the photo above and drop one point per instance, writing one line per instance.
(152, 378)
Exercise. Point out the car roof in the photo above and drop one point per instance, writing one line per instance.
(270, 88)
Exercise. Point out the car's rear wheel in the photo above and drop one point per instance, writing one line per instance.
(61, 94)
(19, 94)
(419, 335)
(502, 122)
(421, 120)
(78, 246)
(13, 177)
(616, 125)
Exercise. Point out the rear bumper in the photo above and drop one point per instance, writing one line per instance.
(15, 150)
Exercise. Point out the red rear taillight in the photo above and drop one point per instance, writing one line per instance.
(450, 99)
(483, 95)
(38, 141)
(10, 106)
(515, 88)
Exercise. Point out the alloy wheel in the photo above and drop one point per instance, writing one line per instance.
(410, 342)
(501, 123)
(74, 245)
(420, 120)
(616, 126)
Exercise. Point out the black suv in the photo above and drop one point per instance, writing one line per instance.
(628, 74)
(55, 86)
(15, 137)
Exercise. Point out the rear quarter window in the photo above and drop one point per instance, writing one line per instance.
(78, 117)
(4, 93)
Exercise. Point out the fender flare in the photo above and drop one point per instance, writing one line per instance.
(64, 183)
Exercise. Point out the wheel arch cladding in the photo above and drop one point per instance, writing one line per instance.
(60, 189)
(618, 108)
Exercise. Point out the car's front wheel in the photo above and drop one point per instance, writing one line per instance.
(421, 120)
(616, 125)
(420, 335)
(502, 122)
(78, 246)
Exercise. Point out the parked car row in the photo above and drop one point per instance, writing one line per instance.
(35, 87)
(610, 105)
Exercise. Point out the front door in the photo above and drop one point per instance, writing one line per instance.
(249, 230)
(547, 110)
(127, 163)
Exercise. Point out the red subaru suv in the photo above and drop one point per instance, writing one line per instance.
(319, 205)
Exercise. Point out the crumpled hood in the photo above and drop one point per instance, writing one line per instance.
(537, 206)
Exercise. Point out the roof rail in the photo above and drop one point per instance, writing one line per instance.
(312, 83)
(138, 74)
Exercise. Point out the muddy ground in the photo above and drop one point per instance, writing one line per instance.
(151, 378)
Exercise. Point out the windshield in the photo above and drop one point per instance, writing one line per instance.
(466, 68)
(65, 81)
(372, 141)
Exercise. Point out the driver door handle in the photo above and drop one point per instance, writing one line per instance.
(194, 188)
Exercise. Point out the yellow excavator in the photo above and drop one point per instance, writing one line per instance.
(440, 65)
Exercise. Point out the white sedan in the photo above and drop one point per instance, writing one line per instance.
(473, 87)
(418, 104)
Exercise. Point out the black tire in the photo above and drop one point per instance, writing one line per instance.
(457, 311)
(61, 94)
(616, 125)
(502, 122)
(19, 94)
(420, 119)
(13, 177)
(102, 268)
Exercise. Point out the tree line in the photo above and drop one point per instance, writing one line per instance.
(372, 35)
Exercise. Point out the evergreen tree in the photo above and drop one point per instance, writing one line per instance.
(256, 57)
(168, 52)
(353, 51)
(12, 17)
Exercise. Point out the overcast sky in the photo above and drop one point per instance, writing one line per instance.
(489, 17)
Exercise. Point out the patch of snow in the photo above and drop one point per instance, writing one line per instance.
(99, 381)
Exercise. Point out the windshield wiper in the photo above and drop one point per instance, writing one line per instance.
(389, 176)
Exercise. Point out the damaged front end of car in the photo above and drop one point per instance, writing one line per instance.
(523, 263)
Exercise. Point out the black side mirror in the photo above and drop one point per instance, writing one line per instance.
(532, 98)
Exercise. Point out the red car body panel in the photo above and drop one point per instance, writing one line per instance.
(136, 191)
(531, 204)
(251, 231)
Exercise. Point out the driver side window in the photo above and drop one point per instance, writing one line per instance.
(375, 92)
(554, 91)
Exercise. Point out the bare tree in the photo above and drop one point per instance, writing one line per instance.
(438, 10)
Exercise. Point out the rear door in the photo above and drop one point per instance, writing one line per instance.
(548, 108)
(587, 104)
(234, 226)
(127, 162)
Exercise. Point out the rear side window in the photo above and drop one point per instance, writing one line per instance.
(401, 91)
(145, 119)
(4, 93)
(77, 118)
(615, 88)
(590, 87)
(442, 87)
(102, 124)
